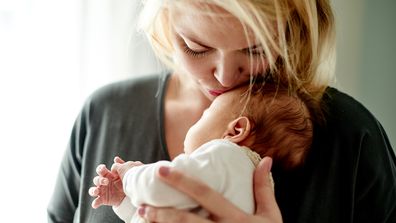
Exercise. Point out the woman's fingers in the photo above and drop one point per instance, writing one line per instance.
(264, 191)
(169, 215)
(220, 209)
(209, 199)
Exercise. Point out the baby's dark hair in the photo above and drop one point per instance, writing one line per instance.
(281, 123)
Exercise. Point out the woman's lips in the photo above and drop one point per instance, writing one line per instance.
(216, 92)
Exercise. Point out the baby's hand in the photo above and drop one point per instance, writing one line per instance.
(108, 188)
(121, 167)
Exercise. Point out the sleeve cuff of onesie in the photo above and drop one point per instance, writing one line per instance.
(125, 210)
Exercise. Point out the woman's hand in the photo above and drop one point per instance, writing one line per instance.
(221, 209)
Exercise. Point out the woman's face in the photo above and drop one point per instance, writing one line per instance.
(215, 52)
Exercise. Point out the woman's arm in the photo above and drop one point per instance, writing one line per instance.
(375, 181)
(220, 209)
(64, 200)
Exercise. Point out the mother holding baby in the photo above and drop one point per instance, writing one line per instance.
(211, 47)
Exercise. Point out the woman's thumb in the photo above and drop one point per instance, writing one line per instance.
(264, 190)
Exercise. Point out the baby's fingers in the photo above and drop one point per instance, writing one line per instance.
(117, 159)
(102, 170)
(93, 191)
(99, 180)
(97, 202)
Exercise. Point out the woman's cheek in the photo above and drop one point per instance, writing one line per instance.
(198, 67)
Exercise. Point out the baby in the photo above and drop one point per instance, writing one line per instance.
(221, 149)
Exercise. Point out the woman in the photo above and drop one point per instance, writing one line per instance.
(214, 46)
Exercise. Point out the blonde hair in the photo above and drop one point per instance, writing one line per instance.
(298, 36)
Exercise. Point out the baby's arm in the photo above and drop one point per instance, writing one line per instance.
(142, 185)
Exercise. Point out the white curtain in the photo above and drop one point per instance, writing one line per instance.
(53, 54)
(112, 48)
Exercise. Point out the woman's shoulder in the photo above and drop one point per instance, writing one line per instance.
(137, 90)
(137, 95)
(349, 126)
(139, 87)
(343, 110)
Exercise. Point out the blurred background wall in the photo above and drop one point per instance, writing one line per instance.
(366, 56)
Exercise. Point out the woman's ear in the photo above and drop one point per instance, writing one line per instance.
(238, 130)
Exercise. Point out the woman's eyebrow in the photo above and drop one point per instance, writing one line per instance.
(252, 47)
(192, 39)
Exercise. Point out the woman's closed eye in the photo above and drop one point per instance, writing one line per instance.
(254, 51)
(192, 48)
(194, 53)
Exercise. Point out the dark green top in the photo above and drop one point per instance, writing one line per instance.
(349, 174)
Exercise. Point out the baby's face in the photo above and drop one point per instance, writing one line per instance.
(213, 122)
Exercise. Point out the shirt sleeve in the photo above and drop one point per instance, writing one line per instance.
(375, 179)
(143, 187)
(64, 201)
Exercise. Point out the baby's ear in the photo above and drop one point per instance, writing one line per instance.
(238, 130)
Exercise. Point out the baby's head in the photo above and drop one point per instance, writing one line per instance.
(281, 124)
(268, 120)
(219, 121)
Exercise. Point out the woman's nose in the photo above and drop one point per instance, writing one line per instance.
(228, 71)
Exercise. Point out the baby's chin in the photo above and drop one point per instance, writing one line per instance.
(188, 150)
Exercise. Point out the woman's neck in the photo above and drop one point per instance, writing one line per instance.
(185, 90)
(184, 104)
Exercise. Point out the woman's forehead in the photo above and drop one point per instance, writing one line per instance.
(212, 31)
